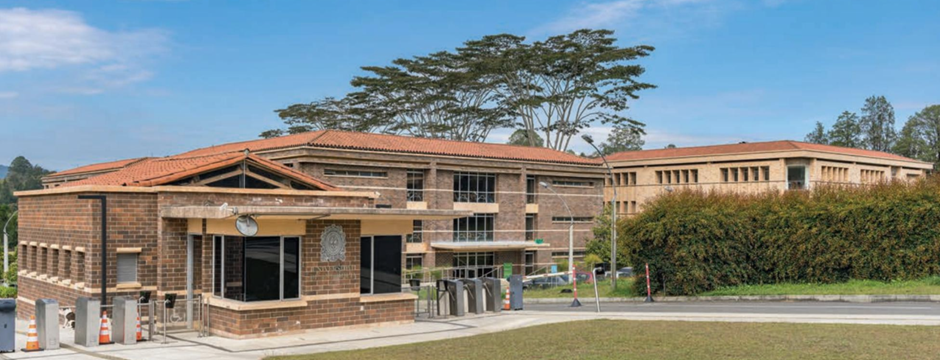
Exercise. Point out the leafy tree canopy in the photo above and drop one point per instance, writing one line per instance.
(553, 88)
(920, 136)
(818, 135)
(521, 137)
(877, 124)
(846, 131)
(623, 138)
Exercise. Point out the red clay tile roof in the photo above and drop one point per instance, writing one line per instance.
(161, 171)
(402, 144)
(105, 166)
(782, 145)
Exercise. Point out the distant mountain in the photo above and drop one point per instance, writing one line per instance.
(3, 171)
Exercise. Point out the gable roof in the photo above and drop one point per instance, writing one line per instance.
(335, 139)
(742, 148)
(162, 171)
(99, 167)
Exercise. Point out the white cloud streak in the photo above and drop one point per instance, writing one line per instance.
(32, 40)
(8, 94)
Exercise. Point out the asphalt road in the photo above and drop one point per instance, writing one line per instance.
(808, 308)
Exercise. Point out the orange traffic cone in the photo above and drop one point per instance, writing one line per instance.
(506, 301)
(104, 337)
(140, 334)
(32, 337)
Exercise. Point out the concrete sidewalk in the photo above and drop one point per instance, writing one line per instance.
(188, 346)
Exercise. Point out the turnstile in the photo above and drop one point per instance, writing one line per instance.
(474, 295)
(455, 299)
(494, 294)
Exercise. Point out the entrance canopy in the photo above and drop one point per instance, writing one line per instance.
(486, 245)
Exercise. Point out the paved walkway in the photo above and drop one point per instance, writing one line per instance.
(188, 346)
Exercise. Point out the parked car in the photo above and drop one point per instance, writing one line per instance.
(625, 272)
(545, 282)
(584, 277)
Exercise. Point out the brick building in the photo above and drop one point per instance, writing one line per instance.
(640, 176)
(466, 207)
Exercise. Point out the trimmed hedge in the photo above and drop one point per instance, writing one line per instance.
(696, 242)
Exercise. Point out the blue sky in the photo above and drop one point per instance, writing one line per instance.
(90, 81)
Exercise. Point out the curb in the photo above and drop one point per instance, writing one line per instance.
(766, 298)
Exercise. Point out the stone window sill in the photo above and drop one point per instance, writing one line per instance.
(387, 297)
(129, 285)
(258, 305)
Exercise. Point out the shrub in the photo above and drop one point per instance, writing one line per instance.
(697, 242)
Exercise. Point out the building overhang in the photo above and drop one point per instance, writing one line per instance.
(308, 212)
(486, 245)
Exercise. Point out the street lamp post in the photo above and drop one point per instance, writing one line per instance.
(574, 303)
(613, 212)
(6, 254)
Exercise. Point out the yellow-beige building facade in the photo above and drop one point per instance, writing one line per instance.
(640, 176)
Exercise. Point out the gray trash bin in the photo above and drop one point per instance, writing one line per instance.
(515, 292)
(493, 294)
(47, 323)
(474, 295)
(7, 325)
(455, 297)
(87, 321)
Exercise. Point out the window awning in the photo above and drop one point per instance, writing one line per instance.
(486, 245)
(308, 212)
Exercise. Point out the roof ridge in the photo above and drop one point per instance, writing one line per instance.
(446, 140)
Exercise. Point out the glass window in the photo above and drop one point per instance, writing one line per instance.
(531, 188)
(413, 262)
(796, 177)
(415, 185)
(127, 268)
(416, 232)
(577, 219)
(474, 187)
(530, 227)
(478, 227)
(380, 265)
(256, 268)
(474, 264)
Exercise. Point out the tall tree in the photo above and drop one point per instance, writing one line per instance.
(562, 85)
(521, 137)
(623, 138)
(920, 137)
(846, 131)
(22, 175)
(877, 124)
(818, 135)
(355, 112)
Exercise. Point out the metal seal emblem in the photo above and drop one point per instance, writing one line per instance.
(333, 244)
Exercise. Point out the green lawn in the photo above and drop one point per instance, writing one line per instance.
(648, 340)
(604, 289)
(927, 286)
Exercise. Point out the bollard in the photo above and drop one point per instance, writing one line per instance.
(87, 321)
(649, 291)
(47, 323)
(124, 329)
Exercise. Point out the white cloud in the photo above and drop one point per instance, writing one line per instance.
(8, 94)
(32, 40)
(640, 16)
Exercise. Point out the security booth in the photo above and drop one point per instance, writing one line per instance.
(252, 248)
